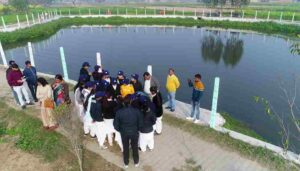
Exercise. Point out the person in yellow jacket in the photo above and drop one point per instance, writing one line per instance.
(172, 85)
(126, 88)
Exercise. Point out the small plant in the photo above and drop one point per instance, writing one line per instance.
(190, 165)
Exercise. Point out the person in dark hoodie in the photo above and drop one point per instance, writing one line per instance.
(9, 69)
(114, 89)
(16, 80)
(137, 85)
(147, 132)
(96, 112)
(158, 103)
(85, 71)
(128, 122)
(30, 75)
(97, 74)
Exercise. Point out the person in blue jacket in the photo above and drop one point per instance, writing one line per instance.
(31, 78)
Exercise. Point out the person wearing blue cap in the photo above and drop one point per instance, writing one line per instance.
(120, 77)
(97, 74)
(97, 116)
(128, 122)
(79, 99)
(114, 88)
(147, 132)
(137, 85)
(102, 86)
(106, 76)
(85, 71)
(126, 88)
(158, 103)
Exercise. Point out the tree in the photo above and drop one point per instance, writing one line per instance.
(41, 2)
(212, 48)
(295, 48)
(19, 5)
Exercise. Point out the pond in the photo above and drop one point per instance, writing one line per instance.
(248, 64)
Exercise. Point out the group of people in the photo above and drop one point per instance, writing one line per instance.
(119, 109)
(28, 89)
(124, 108)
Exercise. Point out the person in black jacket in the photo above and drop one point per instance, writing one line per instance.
(9, 69)
(137, 85)
(158, 103)
(97, 74)
(108, 108)
(147, 132)
(128, 122)
(97, 116)
(114, 89)
(85, 71)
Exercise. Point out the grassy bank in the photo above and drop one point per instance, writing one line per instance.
(259, 154)
(41, 31)
(28, 135)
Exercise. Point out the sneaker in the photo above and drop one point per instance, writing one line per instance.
(136, 165)
(172, 110)
(103, 147)
(167, 107)
(197, 121)
(125, 166)
(36, 100)
(23, 107)
(30, 103)
(189, 118)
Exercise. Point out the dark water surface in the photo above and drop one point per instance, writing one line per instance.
(248, 64)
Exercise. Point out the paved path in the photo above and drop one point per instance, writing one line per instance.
(172, 148)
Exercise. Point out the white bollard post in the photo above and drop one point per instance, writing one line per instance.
(69, 12)
(64, 64)
(255, 15)
(3, 23)
(293, 18)
(231, 14)
(99, 11)
(149, 69)
(195, 13)
(209, 13)
(214, 103)
(154, 11)
(18, 20)
(135, 12)
(220, 14)
(243, 15)
(174, 11)
(117, 11)
(98, 59)
(183, 12)
(281, 16)
(145, 11)
(27, 20)
(89, 12)
(33, 21)
(126, 12)
(39, 18)
(203, 13)
(79, 12)
(3, 55)
(31, 54)
(268, 16)
(164, 11)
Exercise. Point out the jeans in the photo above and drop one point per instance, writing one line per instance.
(20, 90)
(134, 146)
(32, 89)
(171, 98)
(15, 96)
(195, 109)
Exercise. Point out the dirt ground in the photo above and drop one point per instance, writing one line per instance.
(13, 159)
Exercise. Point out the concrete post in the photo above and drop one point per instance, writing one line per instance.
(164, 11)
(183, 12)
(268, 16)
(136, 12)
(3, 55)
(64, 64)
(243, 15)
(89, 12)
(174, 11)
(99, 11)
(281, 16)
(209, 13)
(27, 20)
(214, 103)
(126, 11)
(98, 59)
(39, 18)
(33, 21)
(231, 14)
(79, 12)
(154, 11)
(255, 15)
(149, 69)
(195, 13)
(69, 12)
(117, 11)
(18, 20)
(31, 54)
(293, 18)
(145, 11)
(203, 13)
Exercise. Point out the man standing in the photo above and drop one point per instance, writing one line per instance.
(15, 79)
(150, 81)
(198, 89)
(128, 122)
(7, 73)
(31, 78)
(85, 71)
(137, 85)
(172, 85)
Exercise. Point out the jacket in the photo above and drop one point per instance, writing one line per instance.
(97, 76)
(126, 90)
(198, 89)
(30, 74)
(108, 109)
(172, 83)
(114, 92)
(157, 101)
(137, 86)
(149, 121)
(128, 121)
(14, 77)
(85, 73)
(96, 110)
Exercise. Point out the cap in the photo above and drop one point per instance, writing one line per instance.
(114, 81)
(85, 64)
(120, 73)
(90, 84)
(105, 83)
(99, 94)
(135, 76)
(133, 96)
(96, 67)
(11, 62)
(143, 99)
(105, 72)
(126, 81)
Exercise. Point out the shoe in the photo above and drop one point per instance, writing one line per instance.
(172, 110)
(189, 118)
(103, 147)
(196, 121)
(168, 107)
(136, 165)
(125, 166)
(23, 107)
(30, 103)
(93, 137)
(36, 100)
(86, 134)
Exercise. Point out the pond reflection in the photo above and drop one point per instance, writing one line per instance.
(213, 49)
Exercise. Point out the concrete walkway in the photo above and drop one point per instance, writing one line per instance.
(172, 148)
